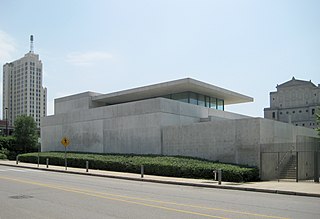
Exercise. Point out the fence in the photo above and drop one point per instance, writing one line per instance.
(299, 161)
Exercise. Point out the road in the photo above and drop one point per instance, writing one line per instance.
(26, 193)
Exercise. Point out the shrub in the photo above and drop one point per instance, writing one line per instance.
(4, 151)
(153, 165)
(3, 156)
(8, 142)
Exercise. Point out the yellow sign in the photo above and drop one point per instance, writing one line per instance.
(65, 141)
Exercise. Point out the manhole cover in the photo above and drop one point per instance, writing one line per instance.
(21, 196)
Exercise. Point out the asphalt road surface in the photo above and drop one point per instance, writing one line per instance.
(26, 193)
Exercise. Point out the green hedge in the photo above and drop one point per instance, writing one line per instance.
(3, 156)
(153, 165)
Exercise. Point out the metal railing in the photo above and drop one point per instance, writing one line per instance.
(283, 158)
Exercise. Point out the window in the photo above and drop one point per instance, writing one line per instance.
(187, 97)
(213, 103)
(220, 104)
(183, 97)
(193, 98)
(207, 99)
(313, 111)
(201, 101)
(273, 115)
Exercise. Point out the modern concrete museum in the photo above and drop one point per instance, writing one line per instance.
(183, 117)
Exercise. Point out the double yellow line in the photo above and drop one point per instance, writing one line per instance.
(137, 201)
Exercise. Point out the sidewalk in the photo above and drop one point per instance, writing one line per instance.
(310, 189)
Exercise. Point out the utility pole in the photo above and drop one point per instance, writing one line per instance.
(7, 133)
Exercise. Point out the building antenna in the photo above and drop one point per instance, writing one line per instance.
(31, 43)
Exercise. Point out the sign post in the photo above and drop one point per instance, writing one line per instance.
(39, 145)
(65, 142)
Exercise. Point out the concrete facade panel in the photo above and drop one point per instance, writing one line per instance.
(168, 127)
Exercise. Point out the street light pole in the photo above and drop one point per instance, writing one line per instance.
(6, 121)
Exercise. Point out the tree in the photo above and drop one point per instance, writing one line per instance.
(25, 131)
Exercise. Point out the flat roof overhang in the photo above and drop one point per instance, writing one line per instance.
(176, 86)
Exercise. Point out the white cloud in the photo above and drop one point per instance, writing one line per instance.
(88, 58)
(7, 47)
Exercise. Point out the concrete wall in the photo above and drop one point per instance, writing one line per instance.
(163, 126)
(75, 102)
(133, 127)
(306, 148)
(277, 141)
(223, 140)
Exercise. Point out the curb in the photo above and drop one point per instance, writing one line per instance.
(282, 192)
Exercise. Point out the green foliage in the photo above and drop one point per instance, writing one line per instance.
(25, 132)
(4, 151)
(153, 165)
(8, 145)
(8, 142)
(3, 156)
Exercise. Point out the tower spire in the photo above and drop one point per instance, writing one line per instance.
(31, 43)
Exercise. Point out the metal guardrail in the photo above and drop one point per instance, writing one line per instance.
(283, 157)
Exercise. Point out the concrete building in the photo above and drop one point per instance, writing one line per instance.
(23, 93)
(295, 102)
(184, 117)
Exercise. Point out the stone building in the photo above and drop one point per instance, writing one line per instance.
(296, 102)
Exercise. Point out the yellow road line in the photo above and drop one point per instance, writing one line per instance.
(184, 205)
(99, 194)
(109, 198)
(187, 205)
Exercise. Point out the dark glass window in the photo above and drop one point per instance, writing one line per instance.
(183, 97)
(201, 101)
(167, 96)
(213, 103)
(207, 99)
(197, 99)
(193, 98)
(220, 104)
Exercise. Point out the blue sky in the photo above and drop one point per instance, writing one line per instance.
(104, 46)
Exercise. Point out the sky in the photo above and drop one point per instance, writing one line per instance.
(104, 46)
